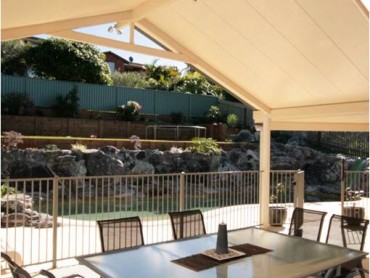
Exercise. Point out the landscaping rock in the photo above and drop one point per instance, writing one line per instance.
(244, 136)
(142, 168)
(16, 210)
(110, 150)
(67, 166)
(101, 164)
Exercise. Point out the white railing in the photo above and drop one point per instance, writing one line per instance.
(75, 203)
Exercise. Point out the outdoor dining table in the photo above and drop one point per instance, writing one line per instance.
(289, 257)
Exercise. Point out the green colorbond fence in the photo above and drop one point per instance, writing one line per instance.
(106, 98)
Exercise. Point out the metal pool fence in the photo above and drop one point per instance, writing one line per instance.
(50, 219)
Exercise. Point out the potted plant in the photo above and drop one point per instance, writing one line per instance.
(353, 210)
(277, 212)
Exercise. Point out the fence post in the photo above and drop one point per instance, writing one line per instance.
(182, 191)
(55, 219)
(299, 189)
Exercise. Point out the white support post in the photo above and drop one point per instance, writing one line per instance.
(264, 186)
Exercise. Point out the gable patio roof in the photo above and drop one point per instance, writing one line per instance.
(302, 64)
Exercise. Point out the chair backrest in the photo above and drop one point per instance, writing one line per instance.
(15, 269)
(120, 233)
(187, 223)
(347, 231)
(307, 223)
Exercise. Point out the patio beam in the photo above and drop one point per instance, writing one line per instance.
(61, 25)
(303, 126)
(152, 31)
(76, 36)
(352, 116)
(307, 112)
(69, 24)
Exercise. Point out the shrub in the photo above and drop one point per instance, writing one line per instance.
(51, 147)
(11, 139)
(16, 104)
(214, 114)
(204, 145)
(232, 120)
(130, 79)
(279, 194)
(7, 190)
(129, 111)
(78, 147)
(67, 106)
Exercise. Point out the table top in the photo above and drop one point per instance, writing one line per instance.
(291, 257)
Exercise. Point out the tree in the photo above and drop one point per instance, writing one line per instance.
(66, 60)
(161, 77)
(129, 79)
(194, 82)
(14, 57)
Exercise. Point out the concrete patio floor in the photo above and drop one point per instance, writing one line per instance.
(71, 266)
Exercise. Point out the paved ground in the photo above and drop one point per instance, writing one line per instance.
(70, 266)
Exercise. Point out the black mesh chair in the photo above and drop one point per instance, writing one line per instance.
(307, 223)
(121, 233)
(187, 223)
(348, 232)
(19, 272)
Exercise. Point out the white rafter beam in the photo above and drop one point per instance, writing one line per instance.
(123, 18)
(200, 64)
(76, 36)
(68, 24)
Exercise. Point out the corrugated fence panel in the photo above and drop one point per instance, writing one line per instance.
(105, 98)
(11, 84)
(97, 97)
(167, 103)
(200, 104)
(43, 93)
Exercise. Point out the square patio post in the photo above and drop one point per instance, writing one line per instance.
(264, 185)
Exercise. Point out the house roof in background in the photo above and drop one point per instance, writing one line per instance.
(304, 64)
